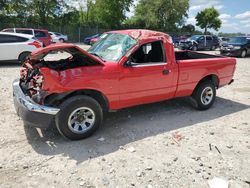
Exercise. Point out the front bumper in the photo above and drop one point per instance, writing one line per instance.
(184, 46)
(230, 52)
(32, 113)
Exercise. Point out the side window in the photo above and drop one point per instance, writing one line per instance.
(209, 38)
(149, 53)
(11, 39)
(24, 31)
(2, 40)
(40, 34)
(201, 38)
(216, 39)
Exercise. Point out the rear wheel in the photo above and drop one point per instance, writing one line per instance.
(243, 53)
(204, 95)
(79, 117)
(213, 48)
(61, 40)
(23, 56)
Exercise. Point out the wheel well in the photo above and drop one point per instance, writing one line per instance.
(57, 98)
(23, 53)
(214, 78)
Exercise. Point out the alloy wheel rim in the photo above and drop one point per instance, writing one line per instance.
(81, 120)
(243, 53)
(207, 95)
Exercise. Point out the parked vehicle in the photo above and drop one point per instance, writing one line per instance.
(200, 42)
(176, 39)
(236, 46)
(16, 47)
(58, 37)
(94, 40)
(125, 68)
(223, 40)
(88, 39)
(41, 34)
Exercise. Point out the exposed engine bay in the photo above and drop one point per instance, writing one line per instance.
(31, 79)
(31, 82)
(76, 60)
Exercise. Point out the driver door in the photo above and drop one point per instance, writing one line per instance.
(146, 77)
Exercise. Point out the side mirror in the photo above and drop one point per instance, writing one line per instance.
(128, 63)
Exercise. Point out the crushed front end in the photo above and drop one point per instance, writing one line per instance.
(40, 79)
(31, 112)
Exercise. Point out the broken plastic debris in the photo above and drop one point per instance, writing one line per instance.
(217, 183)
(101, 139)
(131, 149)
(176, 136)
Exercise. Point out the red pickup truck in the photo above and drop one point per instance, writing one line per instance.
(123, 69)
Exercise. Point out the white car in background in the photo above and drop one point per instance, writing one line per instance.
(16, 47)
(58, 37)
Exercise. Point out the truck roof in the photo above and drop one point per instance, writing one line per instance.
(143, 34)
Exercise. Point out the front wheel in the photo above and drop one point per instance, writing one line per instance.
(194, 48)
(23, 56)
(79, 117)
(204, 95)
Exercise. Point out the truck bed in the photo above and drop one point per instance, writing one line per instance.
(187, 55)
(195, 66)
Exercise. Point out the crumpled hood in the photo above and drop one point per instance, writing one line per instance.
(187, 41)
(70, 48)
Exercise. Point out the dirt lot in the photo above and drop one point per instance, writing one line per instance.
(136, 148)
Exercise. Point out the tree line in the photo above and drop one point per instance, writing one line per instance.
(164, 15)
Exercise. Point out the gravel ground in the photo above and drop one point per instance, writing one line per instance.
(135, 146)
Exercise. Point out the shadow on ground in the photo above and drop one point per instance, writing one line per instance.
(129, 125)
(9, 64)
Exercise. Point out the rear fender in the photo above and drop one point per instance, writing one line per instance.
(212, 77)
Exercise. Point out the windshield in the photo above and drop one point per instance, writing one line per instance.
(195, 37)
(112, 46)
(240, 40)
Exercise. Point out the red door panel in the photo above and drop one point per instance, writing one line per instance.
(146, 84)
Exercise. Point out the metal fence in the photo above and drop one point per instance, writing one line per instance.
(75, 34)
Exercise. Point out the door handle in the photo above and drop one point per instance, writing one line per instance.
(166, 72)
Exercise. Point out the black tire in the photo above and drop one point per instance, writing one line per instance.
(243, 53)
(200, 92)
(70, 106)
(213, 48)
(61, 40)
(194, 48)
(22, 57)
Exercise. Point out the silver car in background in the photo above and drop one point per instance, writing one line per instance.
(58, 37)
